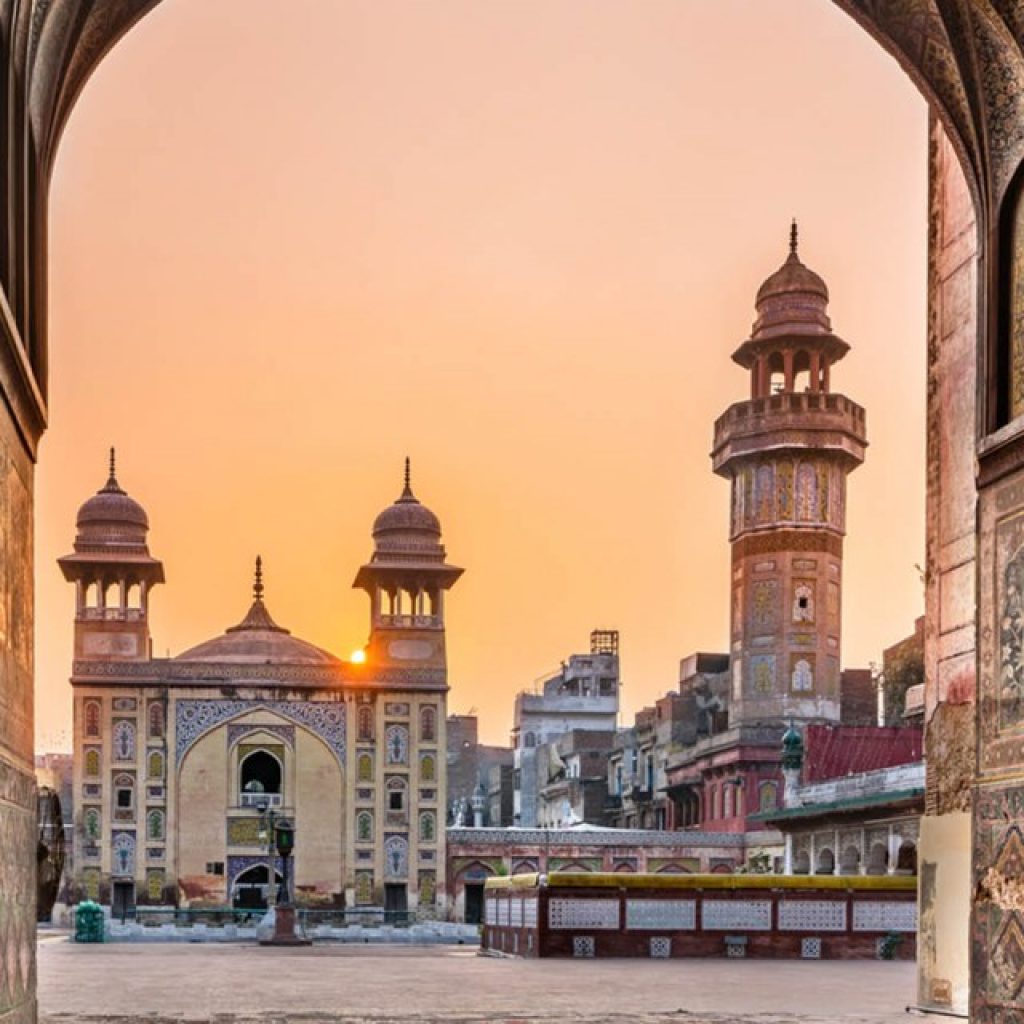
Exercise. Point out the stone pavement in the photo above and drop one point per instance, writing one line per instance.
(335, 984)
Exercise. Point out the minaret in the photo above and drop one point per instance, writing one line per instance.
(406, 578)
(787, 451)
(113, 572)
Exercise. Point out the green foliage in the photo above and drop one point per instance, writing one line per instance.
(902, 671)
(759, 863)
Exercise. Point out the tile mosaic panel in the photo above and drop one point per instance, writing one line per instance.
(885, 916)
(677, 915)
(503, 916)
(515, 912)
(812, 915)
(325, 718)
(739, 915)
(565, 913)
(583, 945)
(661, 947)
(491, 911)
(810, 949)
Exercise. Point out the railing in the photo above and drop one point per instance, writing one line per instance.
(113, 614)
(308, 917)
(791, 402)
(255, 799)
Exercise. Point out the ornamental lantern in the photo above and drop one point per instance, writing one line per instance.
(284, 833)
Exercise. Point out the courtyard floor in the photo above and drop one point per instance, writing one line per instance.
(247, 984)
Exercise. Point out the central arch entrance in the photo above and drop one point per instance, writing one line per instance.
(249, 889)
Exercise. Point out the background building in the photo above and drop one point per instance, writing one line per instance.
(583, 694)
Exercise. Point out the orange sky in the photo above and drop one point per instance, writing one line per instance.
(515, 239)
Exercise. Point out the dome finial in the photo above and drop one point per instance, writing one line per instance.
(793, 238)
(257, 583)
(112, 486)
(407, 490)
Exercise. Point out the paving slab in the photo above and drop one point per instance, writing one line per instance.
(330, 984)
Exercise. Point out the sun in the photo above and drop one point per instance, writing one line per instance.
(358, 657)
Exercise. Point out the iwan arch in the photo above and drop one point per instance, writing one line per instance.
(967, 57)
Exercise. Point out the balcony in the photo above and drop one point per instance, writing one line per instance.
(809, 419)
(256, 799)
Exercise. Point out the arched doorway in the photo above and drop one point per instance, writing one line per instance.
(249, 888)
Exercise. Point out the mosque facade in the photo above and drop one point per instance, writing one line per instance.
(183, 764)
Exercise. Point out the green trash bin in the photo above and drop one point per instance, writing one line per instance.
(88, 922)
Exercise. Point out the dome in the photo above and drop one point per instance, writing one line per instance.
(258, 640)
(792, 748)
(793, 299)
(111, 518)
(408, 527)
(407, 514)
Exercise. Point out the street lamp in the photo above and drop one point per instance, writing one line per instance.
(284, 912)
(266, 834)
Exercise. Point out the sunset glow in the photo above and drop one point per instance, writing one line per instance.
(517, 240)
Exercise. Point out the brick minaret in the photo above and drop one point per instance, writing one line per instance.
(787, 451)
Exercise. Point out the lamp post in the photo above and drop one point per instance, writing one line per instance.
(267, 818)
(284, 912)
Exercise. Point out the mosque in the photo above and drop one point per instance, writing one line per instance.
(181, 764)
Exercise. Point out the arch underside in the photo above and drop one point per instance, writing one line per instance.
(966, 56)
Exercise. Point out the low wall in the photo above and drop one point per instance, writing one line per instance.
(597, 915)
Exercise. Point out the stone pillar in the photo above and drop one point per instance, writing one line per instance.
(787, 863)
(950, 582)
(17, 778)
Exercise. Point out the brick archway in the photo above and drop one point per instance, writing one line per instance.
(966, 57)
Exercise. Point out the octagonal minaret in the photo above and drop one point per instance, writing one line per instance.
(787, 451)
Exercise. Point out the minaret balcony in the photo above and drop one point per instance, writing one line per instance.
(795, 420)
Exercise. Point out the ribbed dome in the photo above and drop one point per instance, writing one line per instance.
(112, 505)
(792, 277)
(111, 518)
(258, 640)
(406, 514)
(407, 527)
(792, 300)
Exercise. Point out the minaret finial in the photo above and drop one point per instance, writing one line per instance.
(257, 584)
(408, 476)
(793, 237)
(112, 486)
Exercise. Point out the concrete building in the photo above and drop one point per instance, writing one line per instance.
(181, 764)
(582, 694)
(576, 768)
